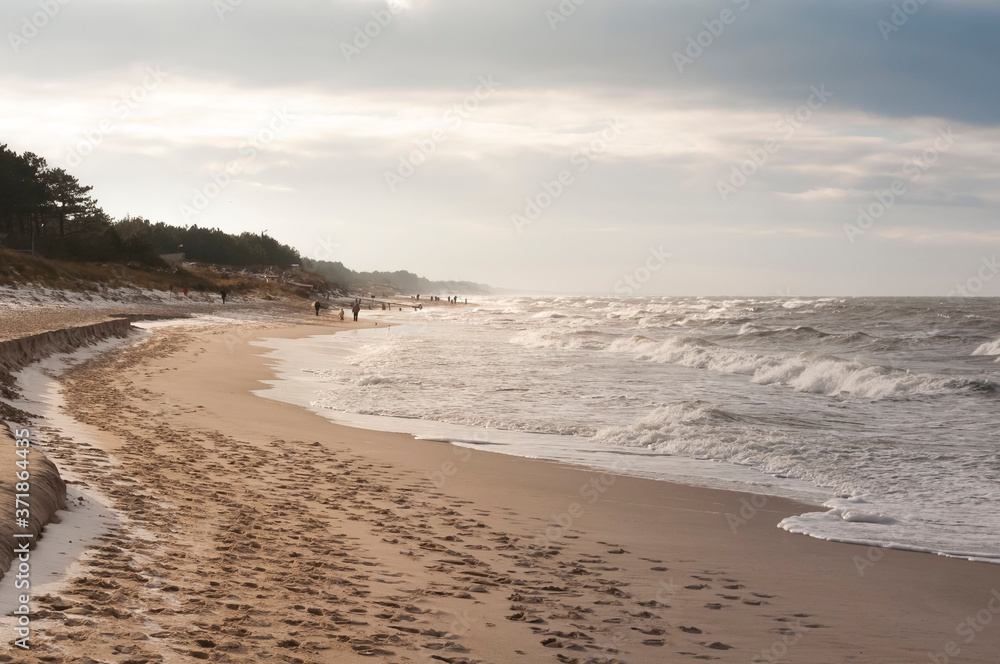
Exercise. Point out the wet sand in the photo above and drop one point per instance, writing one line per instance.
(254, 530)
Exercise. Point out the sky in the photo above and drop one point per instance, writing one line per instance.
(631, 147)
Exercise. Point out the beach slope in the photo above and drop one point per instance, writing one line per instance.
(259, 531)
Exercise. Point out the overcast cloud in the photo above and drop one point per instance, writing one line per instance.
(529, 146)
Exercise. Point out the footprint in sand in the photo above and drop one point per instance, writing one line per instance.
(718, 645)
(652, 631)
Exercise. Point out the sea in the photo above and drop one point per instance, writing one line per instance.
(882, 415)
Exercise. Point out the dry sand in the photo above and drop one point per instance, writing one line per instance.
(258, 531)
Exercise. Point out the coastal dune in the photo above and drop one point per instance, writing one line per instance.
(259, 531)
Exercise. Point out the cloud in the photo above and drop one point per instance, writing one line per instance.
(936, 236)
(938, 63)
(685, 131)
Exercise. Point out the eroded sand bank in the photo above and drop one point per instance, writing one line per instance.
(44, 492)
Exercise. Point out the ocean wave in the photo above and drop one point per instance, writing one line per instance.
(871, 508)
(701, 430)
(692, 352)
(850, 338)
(374, 379)
(801, 334)
(806, 372)
(796, 333)
(752, 328)
(818, 374)
(557, 339)
(833, 376)
(974, 385)
(989, 348)
(691, 428)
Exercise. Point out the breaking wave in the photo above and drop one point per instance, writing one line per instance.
(989, 348)
(806, 372)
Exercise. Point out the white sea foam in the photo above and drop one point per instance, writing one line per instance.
(857, 509)
(989, 348)
(562, 339)
(705, 431)
(805, 372)
(833, 376)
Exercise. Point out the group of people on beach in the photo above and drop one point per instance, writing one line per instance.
(451, 299)
(356, 309)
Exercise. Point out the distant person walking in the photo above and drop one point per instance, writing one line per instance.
(342, 314)
(317, 305)
(356, 309)
(223, 294)
(185, 291)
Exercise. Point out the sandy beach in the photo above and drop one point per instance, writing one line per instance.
(253, 530)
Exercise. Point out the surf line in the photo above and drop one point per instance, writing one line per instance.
(22, 519)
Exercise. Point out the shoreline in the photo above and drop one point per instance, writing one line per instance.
(658, 543)
(290, 358)
(286, 362)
